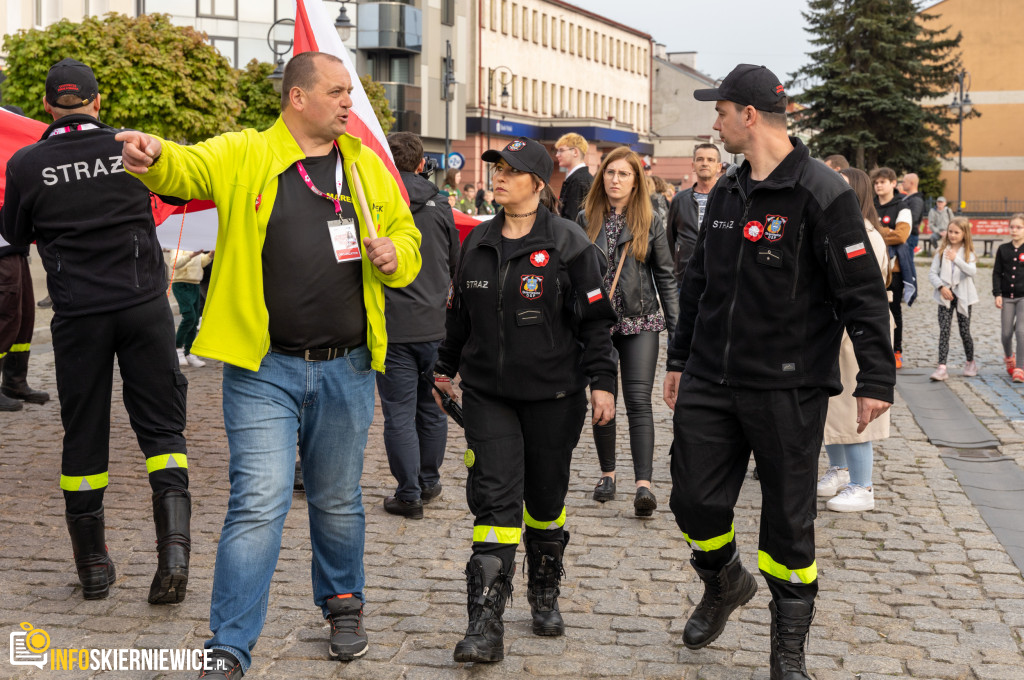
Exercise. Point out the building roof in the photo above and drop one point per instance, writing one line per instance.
(683, 68)
(598, 17)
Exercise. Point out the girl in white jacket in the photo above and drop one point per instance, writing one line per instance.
(952, 274)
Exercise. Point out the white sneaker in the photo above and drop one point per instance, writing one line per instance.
(833, 480)
(194, 361)
(182, 361)
(853, 498)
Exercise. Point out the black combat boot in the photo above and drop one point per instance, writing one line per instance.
(487, 588)
(95, 570)
(791, 621)
(172, 510)
(544, 572)
(6, 403)
(13, 383)
(724, 590)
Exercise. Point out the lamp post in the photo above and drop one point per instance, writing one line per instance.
(963, 107)
(277, 76)
(490, 98)
(447, 94)
(343, 25)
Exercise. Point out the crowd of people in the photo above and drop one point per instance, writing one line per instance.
(537, 317)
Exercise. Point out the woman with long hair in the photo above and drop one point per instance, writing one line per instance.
(847, 482)
(618, 217)
(527, 331)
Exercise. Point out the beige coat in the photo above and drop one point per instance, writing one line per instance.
(841, 423)
(184, 266)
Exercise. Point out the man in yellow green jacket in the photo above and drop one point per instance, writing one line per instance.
(296, 311)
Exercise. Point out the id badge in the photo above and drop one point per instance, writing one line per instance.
(344, 240)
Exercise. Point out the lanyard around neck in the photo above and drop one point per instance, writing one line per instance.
(73, 128)
(339, 178)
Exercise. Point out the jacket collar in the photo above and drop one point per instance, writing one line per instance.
(73, 119)
(286, 150)
(784, 176)
(540, 236)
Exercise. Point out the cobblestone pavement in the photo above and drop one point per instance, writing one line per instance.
(918, 588)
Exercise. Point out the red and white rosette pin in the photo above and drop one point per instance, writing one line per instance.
(753, 231)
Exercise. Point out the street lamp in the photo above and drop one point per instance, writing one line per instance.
(343, 24)
(277, 77)
(963, 107)
(490, 98)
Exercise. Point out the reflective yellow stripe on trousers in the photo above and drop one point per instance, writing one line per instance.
(537, 524)
(21, 347)
(486, 534)
(780, 571)
(86, 483)
(166, 461)
(712, 543)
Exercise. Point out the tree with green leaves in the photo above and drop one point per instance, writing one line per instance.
(379, 100)
(871, 88)
(153, 75)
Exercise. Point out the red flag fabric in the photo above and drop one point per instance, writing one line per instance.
(15, 132)
(315, 32)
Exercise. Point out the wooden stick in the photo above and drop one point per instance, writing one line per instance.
(367, 217)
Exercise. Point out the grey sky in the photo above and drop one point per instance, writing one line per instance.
(722, 32)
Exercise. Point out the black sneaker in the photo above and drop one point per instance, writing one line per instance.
(222, 665)
(410, 509)
(644, 503)
(605, 489)
(429, 493)
(348, 637)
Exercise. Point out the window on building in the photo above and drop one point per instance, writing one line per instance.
(448, 12)
(554, 33)
(227, 47)
(604, 49)
(504, 17)
(579, 41)
(561, 35)
(569, 106)
(494, 15)
(515, 20)
(401, 71)
(544, 98)
(544, 29)
(536, 27)
(220, 9)
(526, 24)
(572, 40)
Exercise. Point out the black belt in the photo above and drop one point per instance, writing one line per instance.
(319, 354)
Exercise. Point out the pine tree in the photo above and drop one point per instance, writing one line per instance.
(879, 84)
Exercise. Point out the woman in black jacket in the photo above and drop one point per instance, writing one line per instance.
(527, 330)
(618, 217)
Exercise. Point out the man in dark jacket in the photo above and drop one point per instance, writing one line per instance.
(415, 430)
(781, 266)
(570, 151)
(17, 320)
(94, 229)
(915, 201)
(687, 208)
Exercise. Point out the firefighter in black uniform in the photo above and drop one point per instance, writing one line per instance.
(94, 230)
(528, 329)
(782, 265)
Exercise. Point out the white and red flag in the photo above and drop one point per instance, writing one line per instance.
(315, 32)
(15, 132)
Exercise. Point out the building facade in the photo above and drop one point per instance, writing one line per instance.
(543, 68)
(993, 160)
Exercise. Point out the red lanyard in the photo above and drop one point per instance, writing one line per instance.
(339, 177)
(73, 128)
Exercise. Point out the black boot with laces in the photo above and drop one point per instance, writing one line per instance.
(724, 590)
(791, 622)
(545, 570)
(487, 589)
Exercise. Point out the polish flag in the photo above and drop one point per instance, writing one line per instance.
(594, 295)
(315, 32)
(856, 250)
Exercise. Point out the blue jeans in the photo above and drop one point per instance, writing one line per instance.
(912, 241)
(415, 429)
(857, 457)
(326, 407)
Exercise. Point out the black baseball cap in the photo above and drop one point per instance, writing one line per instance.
(748, 85)
(69, 76)
(524, 154)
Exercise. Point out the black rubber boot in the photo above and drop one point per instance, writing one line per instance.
(487, 588)
(544, 572)
(88, 541)
(6, 403)
(724, 590)
(791, 622)
(13, 383)
(172, 511)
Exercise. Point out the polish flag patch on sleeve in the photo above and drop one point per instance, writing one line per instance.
(594, 295)
(856, 250)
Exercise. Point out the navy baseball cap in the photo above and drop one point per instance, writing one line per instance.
(71, 77)
(748, 85)
(523, 154)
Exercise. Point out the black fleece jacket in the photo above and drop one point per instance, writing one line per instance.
(533, 323)
(92, 221)
(774, 279)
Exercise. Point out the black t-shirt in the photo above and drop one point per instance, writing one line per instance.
(314, 301)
